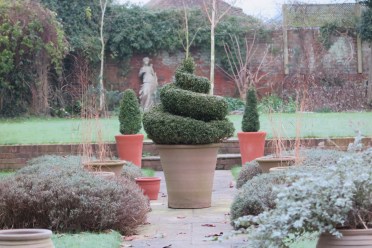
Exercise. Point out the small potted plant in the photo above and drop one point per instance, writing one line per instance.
(129, 144)
(187, 129)
(251, 141)
(331, 200)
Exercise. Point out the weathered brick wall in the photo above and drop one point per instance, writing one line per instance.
(305, 52)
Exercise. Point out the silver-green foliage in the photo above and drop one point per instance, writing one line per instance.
(317, 200)
(131, 171)
(249, 170)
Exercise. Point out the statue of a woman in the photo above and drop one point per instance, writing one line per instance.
(149, 84)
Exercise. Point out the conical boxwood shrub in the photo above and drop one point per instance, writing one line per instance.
(186, 114)
(250, 121)
(130, 114)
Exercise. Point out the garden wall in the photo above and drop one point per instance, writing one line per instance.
(13, 157)
(307, 58)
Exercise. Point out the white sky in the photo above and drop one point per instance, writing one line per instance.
(266, 9)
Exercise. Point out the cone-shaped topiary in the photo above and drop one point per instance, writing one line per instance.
(187, 115)
(130, 113)
(250, 121)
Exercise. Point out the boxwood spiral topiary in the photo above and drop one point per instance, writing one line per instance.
(185, 115)
(130, 114)
(250, 121)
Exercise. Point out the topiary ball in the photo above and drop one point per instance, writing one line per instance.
(130, 114)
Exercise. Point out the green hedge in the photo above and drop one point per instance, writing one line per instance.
(164, 128)
(130, 114)
(194, 105)
(192, 82)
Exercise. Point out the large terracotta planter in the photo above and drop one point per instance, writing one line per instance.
(189, 172)
(350, 238)
(129, 148)
(115, 166)
(252, 145)
(26, 238)
(266, 163)
(150, 186)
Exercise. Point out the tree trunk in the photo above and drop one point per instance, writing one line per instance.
(40, 89)
(369, 89)
(100, 84)
(213, 26)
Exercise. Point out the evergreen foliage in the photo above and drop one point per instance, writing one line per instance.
(30, 39)
(186, 117)
(130, 114)
(365, 25)
(250, 121)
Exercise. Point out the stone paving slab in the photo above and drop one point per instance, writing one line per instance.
(185, 228)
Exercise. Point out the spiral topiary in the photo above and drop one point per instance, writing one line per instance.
(250, 121)
(130, 113)
(186, 114)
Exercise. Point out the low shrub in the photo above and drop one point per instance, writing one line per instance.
(249, 171)
(56, 194)
(320, 157)
(187, 103)
(320, 200)
(255, 196)
(273, 103)
(131, 171)
(234, 104)
(164, 128)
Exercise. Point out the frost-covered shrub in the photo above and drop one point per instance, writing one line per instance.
(256, 196)
(56, 194)
(131, 171)
(320, 157)
(317, 200)
(248, 171)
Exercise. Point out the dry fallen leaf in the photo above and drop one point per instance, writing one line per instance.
(181, 217)
(214, 235)
(209, 225)
(129, 238)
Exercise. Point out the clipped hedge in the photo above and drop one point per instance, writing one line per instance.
(250, 120)
(187, 81)
(256, 195)
(56, 193)
(194, 105)
(164, 128)
(187, 65)
(130, 114)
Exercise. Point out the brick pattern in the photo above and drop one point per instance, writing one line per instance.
(14, 157)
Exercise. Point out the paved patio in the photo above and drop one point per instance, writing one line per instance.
(185, 228)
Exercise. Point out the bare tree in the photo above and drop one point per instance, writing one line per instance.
(214, 16)
(103, 5)
(186, 32)
(246, 66)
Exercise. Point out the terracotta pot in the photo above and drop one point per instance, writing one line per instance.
(266, 163)
(28, 238)
(189, 172)
(129, 148)
(150, 186)
(115, 166)
(350, 238)
(252, 145)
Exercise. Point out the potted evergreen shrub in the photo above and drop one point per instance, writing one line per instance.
(334, 200)
(187, 128)
(129, 144)
(251, 140)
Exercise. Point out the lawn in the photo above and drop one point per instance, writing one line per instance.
(55, 130)
(92, 240)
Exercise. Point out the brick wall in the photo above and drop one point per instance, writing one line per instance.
(14, 157)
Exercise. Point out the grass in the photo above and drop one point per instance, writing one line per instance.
(148, 172)
(6, 173)
(235, 171)
(111, 239)
(59, 131)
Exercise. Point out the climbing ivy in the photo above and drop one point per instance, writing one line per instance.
(30, 39)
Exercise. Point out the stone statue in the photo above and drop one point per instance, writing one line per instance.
(149, 84)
